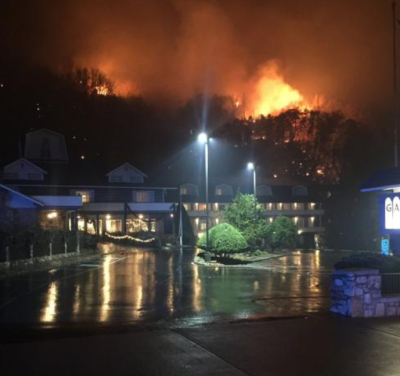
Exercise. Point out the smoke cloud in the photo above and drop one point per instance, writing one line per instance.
(170, 50)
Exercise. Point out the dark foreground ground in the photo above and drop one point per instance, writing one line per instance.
(299, 346)
(139, 312)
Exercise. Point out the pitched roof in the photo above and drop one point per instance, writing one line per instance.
(128, 164)
(27, 162)
(21, 195)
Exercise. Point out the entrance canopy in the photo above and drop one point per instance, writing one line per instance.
(60, 202)
(382, 180)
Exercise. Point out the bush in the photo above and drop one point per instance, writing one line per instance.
(364, 260)
(224, 239)
(248, 217)
(281, 233)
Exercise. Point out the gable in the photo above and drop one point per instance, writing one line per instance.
(22, 169)
(126, 173)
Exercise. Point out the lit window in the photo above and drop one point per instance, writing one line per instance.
(202, 207)
(86, 196)
(223, 190)
(189, 189)
(143, 196)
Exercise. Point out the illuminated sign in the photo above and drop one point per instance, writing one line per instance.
(389, 213)
(385, 247)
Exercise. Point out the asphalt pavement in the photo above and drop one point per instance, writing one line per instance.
(323, 345)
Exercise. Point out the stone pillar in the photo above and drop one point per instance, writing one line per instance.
(356, 293)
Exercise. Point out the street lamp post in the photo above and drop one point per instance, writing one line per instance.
(203, 138)
(252, 167)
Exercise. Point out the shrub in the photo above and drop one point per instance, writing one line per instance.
(245, 215)
(281, 233)
(364, 260)
(224, 239)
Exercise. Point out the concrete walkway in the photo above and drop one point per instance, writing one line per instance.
(302, 346)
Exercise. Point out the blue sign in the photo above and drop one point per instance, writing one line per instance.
(385, 247)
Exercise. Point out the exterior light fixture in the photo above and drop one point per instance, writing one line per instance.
(202, 138)
(52, 215)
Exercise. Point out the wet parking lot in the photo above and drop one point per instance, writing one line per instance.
(136, 286)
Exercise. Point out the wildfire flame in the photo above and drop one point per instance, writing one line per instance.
(270, 94)
(102, 90)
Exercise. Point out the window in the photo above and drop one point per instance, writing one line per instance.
(297, 206)
(286, 206)
(264, 190)
(311, 206)
(189, 189)
(11, 175)
(203, 226)
(135, 179)
(113, 225)
(139, 225)
(116, 179)
(202, 207)
(188, 206)
(300, 222)
(34, 176)
(270, 206)
(223, 190)
(300, 191)
(87, 196)
(143, 196)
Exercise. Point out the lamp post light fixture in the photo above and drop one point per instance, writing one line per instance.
(252, 167)
(203, 139)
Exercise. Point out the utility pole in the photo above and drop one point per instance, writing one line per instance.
(180, 219)
(395, 107)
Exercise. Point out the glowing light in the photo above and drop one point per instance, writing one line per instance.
(108, 216)
(82, 157)
(106, 290)
(129, 237)
(140, 216)
(275, 176)
(52, 215)
(49, 312)
(202, 138)
(250, 166)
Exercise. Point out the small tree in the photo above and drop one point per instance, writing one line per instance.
(247, 217)
(281, 233)
(224, 239)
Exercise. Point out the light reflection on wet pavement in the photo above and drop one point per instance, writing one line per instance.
(134, 286)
